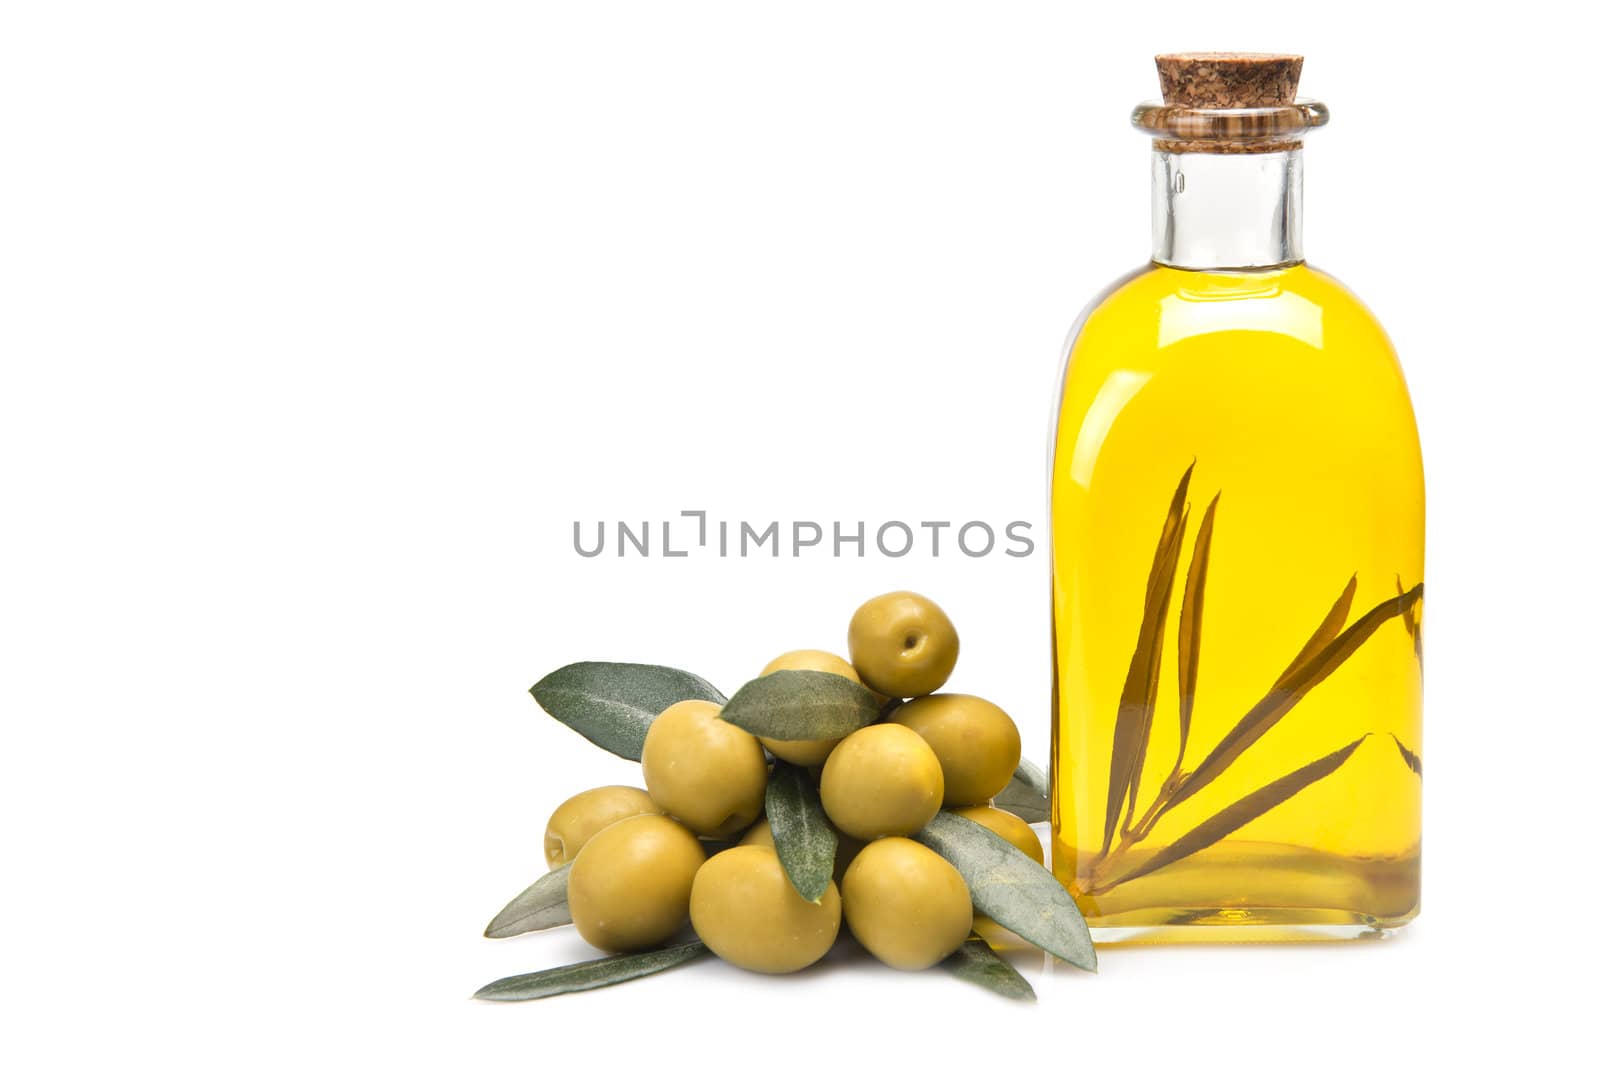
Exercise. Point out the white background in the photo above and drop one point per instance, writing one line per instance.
(322, 322)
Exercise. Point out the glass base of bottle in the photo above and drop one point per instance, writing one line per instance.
(1245, 892)
(1243, 926)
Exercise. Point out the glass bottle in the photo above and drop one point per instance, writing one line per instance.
(1236, 557)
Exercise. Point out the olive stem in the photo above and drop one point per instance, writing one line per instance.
(1158, 807)
(1132, 836)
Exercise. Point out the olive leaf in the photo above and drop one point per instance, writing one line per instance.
(1147, 717)
(1135, 709)
(1326, 631)
(1027, 794)
(540, 907)
(801, 706)
(1239, 813)
(1169, 526)
(1413, 761)
(1413, 624)
(1011, 888)
(613, 705)
(1294, 685)
(589, 974)
(800, 831)
(976, 962)
(1189, 616)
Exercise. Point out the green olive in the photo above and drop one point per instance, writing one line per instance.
(629, 887)
(581, 816)
(906, 904)
(745, 909)
(883, 779)
(903, 645)
(760, 834)
(1012, 828)
(977, 743)
(807, 754)
(703, 770)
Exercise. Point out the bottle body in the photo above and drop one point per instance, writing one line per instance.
(1237, 551)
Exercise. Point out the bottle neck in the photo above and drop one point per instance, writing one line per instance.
(1226, 211)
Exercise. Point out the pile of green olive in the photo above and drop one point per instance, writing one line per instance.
(639, 857)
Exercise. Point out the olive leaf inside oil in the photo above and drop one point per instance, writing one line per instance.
(1328, 647)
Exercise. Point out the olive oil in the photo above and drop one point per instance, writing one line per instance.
(1237, 553)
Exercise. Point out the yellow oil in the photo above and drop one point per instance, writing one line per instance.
(1282, 393)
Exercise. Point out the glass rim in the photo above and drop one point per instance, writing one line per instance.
(1176, 122)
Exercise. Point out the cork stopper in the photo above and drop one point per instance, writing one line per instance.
(1229, 79)
(1229, 102)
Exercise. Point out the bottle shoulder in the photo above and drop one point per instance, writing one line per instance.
(1241, 342)
(1158, 313)
(1267, 372)
(1152, 288)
